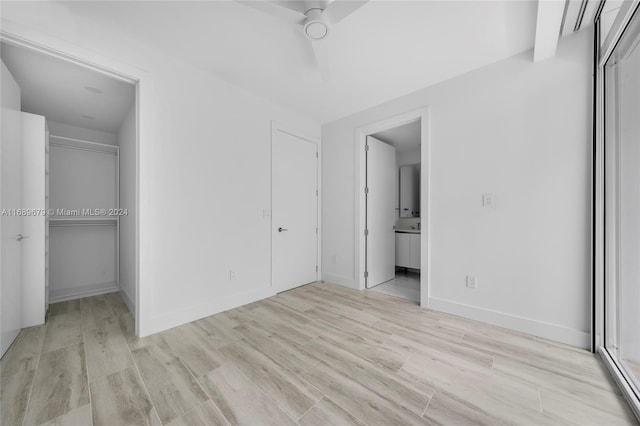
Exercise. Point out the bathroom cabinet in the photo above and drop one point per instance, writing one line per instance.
(408, 250)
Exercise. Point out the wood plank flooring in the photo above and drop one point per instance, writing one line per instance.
(320, 354)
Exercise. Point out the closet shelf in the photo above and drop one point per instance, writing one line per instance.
(83, 145)
(71, 221)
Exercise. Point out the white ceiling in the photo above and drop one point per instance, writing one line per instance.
(403, 138)
(384, 50)
(58, 90)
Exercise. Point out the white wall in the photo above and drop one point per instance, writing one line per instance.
(126, 141)
(9, 90)
(411, 156)
(521, 131)
(204, 170)
(68, 131)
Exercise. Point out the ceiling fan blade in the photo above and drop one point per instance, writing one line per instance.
(280, 12)
(340, 9)
(321, 52)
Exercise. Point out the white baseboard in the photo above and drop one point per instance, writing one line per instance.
(343, 281)
(193, 313)
(558, 333)
(128, 300)
(64, 294)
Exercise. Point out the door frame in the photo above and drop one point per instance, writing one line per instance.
(59, 49)
(361, 133)
(279, 127)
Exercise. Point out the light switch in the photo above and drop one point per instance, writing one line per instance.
(472, 282)
(487, 199)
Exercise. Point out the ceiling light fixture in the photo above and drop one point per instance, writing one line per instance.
(92, 89)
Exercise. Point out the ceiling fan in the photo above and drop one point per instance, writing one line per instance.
(314, 18)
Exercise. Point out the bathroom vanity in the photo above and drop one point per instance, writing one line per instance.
(408, 248)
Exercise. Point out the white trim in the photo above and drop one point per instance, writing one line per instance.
(340, 280)
(278, 127)
(16, 40)
(578, 338)
(217, 305)
(361, 134)
(63, 295)
(34, 40)
(128, 300)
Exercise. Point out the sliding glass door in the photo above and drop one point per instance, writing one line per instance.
(621, 120)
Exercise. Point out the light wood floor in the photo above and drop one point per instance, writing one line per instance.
(317, 355)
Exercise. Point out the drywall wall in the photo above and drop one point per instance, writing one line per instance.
(68, 131)
(9, 90)
(518, 130)
(411, 156)
(128, 178)
(204, 169)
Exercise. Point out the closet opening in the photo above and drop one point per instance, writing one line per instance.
(79, 125)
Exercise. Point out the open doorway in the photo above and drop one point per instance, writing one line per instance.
(78, 167)
(392, 214)
(404, 141)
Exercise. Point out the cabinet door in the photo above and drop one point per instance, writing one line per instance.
(403, 250)
(415, 251)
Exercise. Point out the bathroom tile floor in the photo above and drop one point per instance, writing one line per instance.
(406, 284)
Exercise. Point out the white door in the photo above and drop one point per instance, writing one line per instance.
(294, 211)
(382, 200)
(10, 225)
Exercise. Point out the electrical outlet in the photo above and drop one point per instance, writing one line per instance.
(232, 275)
(472, 281)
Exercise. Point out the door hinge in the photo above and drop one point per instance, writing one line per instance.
(366, 189)
(316, 268)
(366, 274)
(316, 231)
(316, 192)
(366, 147)
(366, 232)
(316, 154)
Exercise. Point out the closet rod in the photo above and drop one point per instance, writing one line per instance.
(54, 225)
(106, 145)
(84, 145)
(79, 148)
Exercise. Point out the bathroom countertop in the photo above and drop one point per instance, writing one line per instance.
(408, 231)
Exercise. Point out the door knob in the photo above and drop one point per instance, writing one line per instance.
(20, 237)
(282, 229)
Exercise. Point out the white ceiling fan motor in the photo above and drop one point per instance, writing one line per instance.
(316, 26)
(316, 21)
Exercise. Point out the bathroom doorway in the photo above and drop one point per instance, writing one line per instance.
(393, 229)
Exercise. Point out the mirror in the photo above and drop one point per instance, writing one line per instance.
(410, 190)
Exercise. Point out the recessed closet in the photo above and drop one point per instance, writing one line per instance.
(88, 121)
